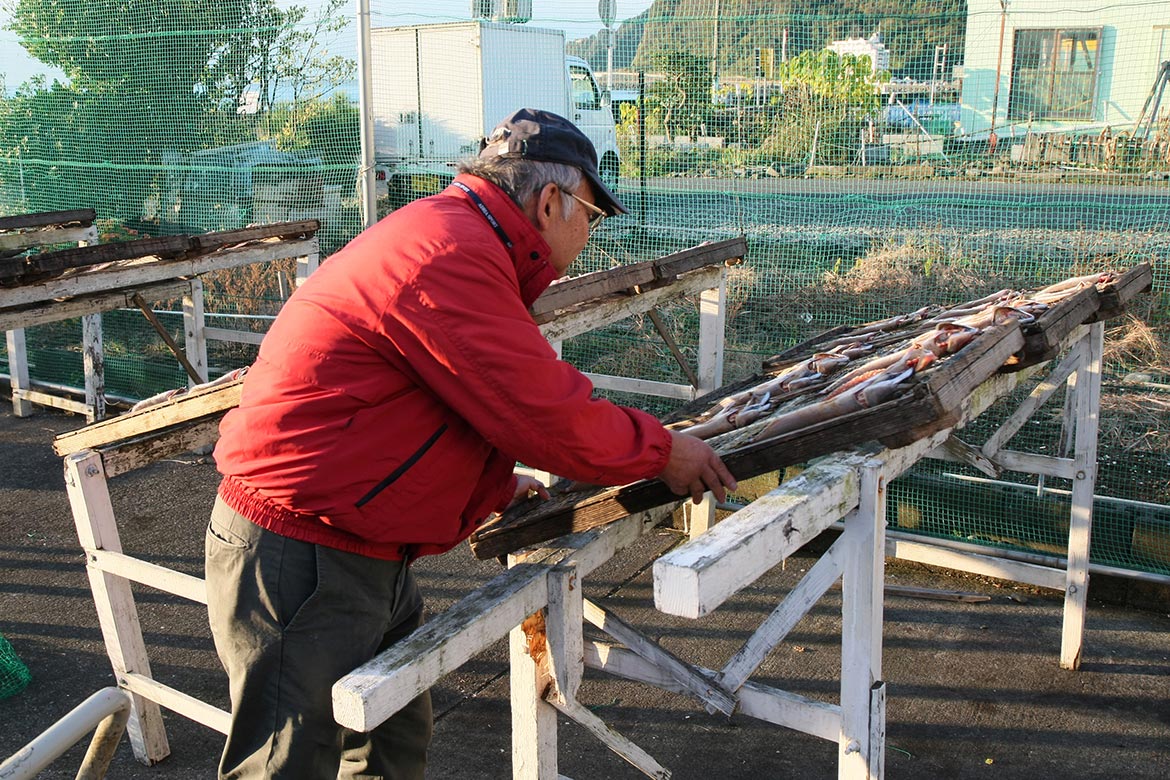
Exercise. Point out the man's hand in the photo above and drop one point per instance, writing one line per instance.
(526, 487)
(694, 468)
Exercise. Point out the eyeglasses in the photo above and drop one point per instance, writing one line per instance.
(595, 214)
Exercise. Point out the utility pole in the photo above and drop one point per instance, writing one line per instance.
(992, 140)
(715, 50)
(369, 193)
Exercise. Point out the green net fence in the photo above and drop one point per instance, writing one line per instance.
(14, 675)
(877, 156)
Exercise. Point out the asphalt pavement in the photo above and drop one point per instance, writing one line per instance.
(974, 689)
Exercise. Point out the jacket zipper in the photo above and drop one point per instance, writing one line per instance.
(402, 467)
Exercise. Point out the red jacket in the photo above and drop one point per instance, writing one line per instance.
(401, 383)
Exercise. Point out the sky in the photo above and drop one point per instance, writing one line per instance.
(578, 18)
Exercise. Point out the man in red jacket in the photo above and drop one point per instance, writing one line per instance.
(382, 421)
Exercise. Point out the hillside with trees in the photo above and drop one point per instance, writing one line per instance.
(910, 29)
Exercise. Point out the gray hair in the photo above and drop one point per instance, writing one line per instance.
(521, 179)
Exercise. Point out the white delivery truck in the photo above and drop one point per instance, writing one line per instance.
(437, 89)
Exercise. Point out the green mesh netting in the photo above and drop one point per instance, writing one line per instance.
(14, 675)
(877, 156)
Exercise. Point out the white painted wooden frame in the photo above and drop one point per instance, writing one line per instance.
(1080, 371)
(23, 396)
(697, 577)
(108, 290)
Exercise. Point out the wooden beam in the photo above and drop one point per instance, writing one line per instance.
(706, 689)
(672, 345)
(185, 408)
(589, 287)
(611, 738)
(163, 248)
(765, 703)
(47, 218)
(56, 310)
(45, 237)
(599, 313)
(207, 242)
(147, 312)
(129, 274)
(697, 577)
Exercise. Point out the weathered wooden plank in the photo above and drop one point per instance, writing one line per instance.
(376, 690)
(612, 739)
(15, 242)
(129, 426)
(166, 247)
(45, 218)
(700, 256)
(697, 577)
(97, 529)
(93, 303)
(765, 703)
(1114, 297)
(143, 451)
(1042, 339)
(587, 287)
(207, 242)
(706, 689)
(12, 267)
(118, 275)
(612, 308)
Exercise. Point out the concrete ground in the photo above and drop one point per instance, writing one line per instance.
(974, 690)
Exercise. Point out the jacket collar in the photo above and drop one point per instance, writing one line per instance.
(529, 251)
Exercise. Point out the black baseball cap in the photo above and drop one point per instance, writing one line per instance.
(533, 134)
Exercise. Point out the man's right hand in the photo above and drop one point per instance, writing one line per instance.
(694, 468)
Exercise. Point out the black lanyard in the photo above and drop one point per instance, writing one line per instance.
(487, 213)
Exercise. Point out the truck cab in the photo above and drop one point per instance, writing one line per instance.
(591, 113)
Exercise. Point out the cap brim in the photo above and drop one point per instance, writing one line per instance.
(604, 196)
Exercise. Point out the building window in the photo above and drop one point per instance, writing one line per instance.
(1054, 74)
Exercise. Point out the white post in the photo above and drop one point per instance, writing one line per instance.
(18, 371)
(862, 590)
(94, 364)
(194, 331)
(307, 265)
(1087, 381)
(534, 721)
(369, 195)
(93, 514)
(712, 323)
(566, 646)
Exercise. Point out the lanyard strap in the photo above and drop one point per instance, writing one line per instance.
(487, 214)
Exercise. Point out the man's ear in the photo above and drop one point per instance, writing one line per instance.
(547, 203)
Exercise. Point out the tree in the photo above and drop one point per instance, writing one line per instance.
(682, 100)
(827, 100)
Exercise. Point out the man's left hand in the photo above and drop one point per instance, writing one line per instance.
(527, 487)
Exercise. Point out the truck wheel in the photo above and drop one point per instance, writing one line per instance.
(608, 168)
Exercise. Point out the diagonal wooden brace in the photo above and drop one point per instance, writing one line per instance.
(638, 757)
(697, 684)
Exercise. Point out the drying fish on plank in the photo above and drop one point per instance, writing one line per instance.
(894, 349)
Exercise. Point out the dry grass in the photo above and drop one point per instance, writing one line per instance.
(1135, 422)
(1134, 342)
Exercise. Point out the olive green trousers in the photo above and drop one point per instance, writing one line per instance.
(289, 619)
